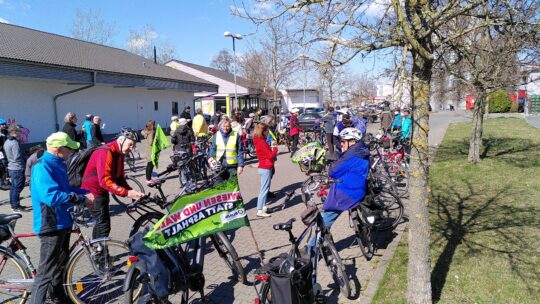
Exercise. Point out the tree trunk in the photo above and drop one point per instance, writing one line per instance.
(475, 144)
(419, 265)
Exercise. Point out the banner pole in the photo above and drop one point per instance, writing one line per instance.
(256, 244)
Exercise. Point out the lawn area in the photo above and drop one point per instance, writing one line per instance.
(485, 241)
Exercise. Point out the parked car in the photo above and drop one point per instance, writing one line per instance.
(307, 120)
(370, 113)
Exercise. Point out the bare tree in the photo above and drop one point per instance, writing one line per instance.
(351, 29)
(254, 67)
(91, 26)
(143, 41)
(223, 61)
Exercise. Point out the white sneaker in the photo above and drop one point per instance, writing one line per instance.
(262, 213)
(264, 209)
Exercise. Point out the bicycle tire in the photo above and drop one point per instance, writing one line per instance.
(15, 265)
(390, 209)
(265, 294)
(335, 265)
(78, 290)
(363, 234)
(130, 161)
(135, 185)
(310, 186)
(143, 220)
(228, 253)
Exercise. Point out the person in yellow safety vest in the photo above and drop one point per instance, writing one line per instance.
(226, 148)
(174, 124)
(200, 127)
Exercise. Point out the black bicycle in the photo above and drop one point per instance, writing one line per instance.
(149, 211)
(324, 246)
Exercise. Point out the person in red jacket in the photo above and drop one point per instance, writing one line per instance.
(266, 156)
(294, 129)
(104, 173)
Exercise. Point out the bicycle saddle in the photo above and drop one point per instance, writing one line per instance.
(155, 183)
(285, 226)
(7, 218)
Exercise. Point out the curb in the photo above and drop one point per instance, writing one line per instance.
(378, 275)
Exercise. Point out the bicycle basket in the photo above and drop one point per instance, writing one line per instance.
(4, 233)
(290, 280)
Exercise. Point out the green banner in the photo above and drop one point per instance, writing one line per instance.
(160, 143)
(197, 215)
(313, 148)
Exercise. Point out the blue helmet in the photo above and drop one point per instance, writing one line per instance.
(3, 121)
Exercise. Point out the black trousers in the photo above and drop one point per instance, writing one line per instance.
(101, 215)
(149, 168)
(295, 138)
(53, 256)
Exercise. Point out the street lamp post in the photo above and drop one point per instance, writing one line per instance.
(304, 57)
(234, 37)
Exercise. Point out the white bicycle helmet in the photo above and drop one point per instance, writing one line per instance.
(350, 134)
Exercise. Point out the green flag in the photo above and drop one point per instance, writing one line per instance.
(201, 214)
(160, 143)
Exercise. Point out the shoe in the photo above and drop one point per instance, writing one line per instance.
(262, 213)
(150, 181)
(20, 209)
(264, 209)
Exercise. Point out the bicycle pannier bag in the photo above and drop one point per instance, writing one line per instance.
(163, 266)
(290, 280)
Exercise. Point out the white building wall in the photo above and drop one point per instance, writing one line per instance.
(533, 87)
(224, 86)
(30, 103)
(295, 99)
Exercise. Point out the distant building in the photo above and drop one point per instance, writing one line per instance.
(389, 92)
(294, 98)
(250, 95)
(43, 76)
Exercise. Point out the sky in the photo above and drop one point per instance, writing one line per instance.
(194, 27)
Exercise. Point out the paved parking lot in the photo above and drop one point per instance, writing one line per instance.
(219, 286)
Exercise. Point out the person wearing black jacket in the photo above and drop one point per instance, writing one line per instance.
(187, 115)
(97, 137)
(182, 139)
(69, 126)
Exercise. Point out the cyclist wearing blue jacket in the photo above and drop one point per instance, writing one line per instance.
(51, 197)
(351, 169)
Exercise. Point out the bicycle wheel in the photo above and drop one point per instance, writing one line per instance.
(13, 276)
(364, 237)
(135, 185)
(228, 253)
(95, 273)
(335, 265)
(387, 208)
(145, 220)
(130, 161)
(401, 180)
(310, 187)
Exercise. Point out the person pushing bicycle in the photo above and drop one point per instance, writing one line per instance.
(351, 170)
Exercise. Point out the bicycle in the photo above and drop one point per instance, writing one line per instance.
(149, 215)
(130, 160)
(94, 272)
(324, 245)
(284, 138)
(135, 185)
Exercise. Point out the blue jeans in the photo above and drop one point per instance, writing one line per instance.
(17, 186)
(266, 178)
(329, 217)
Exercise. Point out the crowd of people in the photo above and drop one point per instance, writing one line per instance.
(52, 194)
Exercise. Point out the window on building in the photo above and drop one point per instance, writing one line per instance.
(156, 106)
(174, 108)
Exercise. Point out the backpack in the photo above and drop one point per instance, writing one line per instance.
(77, 163)
(163, 266)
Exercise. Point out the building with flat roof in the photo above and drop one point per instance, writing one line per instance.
(251, 96)
(43, 76)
